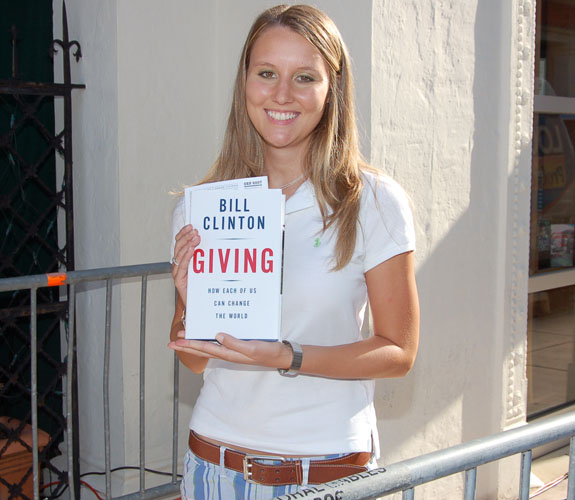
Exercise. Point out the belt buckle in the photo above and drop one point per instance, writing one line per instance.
(247, 464)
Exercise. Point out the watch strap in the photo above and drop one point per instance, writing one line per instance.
(297, 359)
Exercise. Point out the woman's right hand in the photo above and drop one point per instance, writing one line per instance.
(186, 242)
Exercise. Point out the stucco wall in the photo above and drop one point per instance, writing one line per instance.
(96, 208)
(436, 90)
(444, 118)
(426, 133)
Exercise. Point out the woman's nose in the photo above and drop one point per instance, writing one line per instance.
(283, 92)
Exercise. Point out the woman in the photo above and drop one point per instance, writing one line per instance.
(349, 238)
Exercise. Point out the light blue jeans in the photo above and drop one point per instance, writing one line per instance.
(207, 481)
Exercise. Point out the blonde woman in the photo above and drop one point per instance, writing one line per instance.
(349, 239)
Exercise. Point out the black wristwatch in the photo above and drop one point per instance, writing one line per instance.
(296, 362)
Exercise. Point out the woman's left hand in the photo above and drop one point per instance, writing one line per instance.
(228, 348)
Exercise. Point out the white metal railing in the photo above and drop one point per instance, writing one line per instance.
(402, 476)
(405, 476)
(112, 277)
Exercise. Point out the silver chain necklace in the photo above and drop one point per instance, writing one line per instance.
(291, 183)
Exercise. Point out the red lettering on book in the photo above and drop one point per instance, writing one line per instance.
(250, 260)
(198, 265)
(245, 259)
(267, 265)
(224, 260)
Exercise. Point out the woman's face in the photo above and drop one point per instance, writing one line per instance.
(286, 89)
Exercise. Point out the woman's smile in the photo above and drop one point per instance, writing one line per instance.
(281, 116)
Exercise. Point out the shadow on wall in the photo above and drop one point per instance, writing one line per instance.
(456, 389)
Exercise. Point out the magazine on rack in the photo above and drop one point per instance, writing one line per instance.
(235, 275)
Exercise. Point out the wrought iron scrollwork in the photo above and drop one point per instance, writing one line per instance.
(30, 231)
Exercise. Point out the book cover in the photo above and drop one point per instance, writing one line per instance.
(235, 275)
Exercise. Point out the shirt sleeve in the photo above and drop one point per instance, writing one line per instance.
(386, 221)
(177, 223)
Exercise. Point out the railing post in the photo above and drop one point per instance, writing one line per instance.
(143, 383)
(175, 422)
(470, 483)
(525, 475)
(70, 392)
(571, 484)
(34, 388)
(107, 342)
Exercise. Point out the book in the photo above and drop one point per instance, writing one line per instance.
(235, 274)
(562, 243)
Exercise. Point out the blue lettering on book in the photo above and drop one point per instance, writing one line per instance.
(234, 222)
(233, 205)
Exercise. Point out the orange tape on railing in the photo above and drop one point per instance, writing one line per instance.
(56, 279)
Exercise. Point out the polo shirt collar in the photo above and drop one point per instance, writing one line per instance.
(303, 198)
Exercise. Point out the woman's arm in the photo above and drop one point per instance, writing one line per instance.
(390, 352)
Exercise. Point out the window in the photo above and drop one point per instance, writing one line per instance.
(551, 323)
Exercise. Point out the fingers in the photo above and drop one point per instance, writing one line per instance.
(186, 233)
(202, 348)
(187, 240)
(175, 346)
(228, 348)
(209, 349)
(253, 352)
(229, 341)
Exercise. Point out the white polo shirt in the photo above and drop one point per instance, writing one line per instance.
(258, 408)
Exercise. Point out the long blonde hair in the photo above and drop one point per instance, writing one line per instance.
(333, 162)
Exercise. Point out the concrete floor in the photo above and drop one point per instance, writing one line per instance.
(550, 361)
(547, 469)
(551, 358)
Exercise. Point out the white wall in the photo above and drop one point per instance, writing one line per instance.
(436, 89)
(443, 122)
(96, 208)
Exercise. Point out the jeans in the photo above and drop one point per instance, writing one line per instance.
(207, 481)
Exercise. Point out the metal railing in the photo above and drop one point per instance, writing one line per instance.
(111, 276)
(399, 477)
(406, 475)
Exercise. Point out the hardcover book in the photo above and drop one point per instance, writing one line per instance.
(235, 274)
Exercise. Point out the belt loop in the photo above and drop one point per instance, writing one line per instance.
(222, 460)
(305, 471)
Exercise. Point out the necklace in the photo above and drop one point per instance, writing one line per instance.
(291, 183)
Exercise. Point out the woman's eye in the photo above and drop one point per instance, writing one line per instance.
(305, 78)
(267, 74)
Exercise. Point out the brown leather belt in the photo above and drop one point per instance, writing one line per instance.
(290, 471)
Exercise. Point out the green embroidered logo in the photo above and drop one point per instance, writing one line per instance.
(317, 243)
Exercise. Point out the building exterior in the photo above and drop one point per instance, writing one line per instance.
(445, 102)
